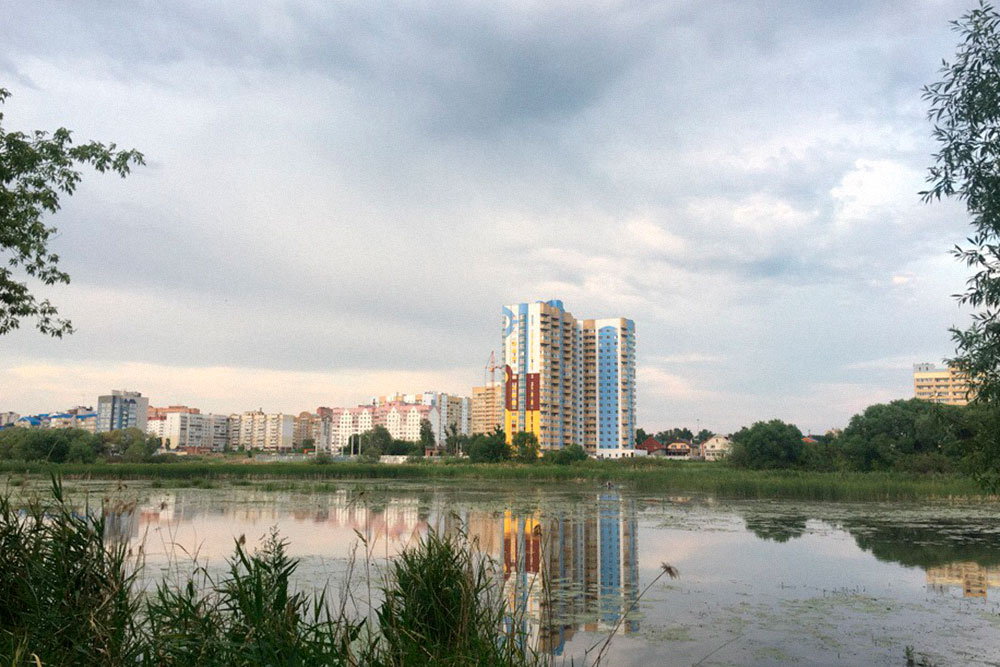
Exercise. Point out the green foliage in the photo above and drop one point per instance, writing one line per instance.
(68, 597)
(703, 435)
(526, 446)
(375, 443)
(35, 170)
(965, 111)
(455, 442)
(55, 445)
(441, 607)
(489, 448)
(772, 444)
(910, 435)
(982, 457)
(640, 436)
(66, 586)
(674, 434)
(566, 455)
(250, 617)
(426, 435)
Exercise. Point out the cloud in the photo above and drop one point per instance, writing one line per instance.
(354, 189)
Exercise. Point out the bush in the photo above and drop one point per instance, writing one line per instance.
(566, 455)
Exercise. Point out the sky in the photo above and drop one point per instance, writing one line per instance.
(339, 197)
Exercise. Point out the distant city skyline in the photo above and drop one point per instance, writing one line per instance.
(333, 210)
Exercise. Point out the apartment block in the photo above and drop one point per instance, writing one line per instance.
(273, 432)
(453, 411)
(402, 420)
(569, 381)
(190, 430)
(487, 408)
(940, 385)
(315, 427)
(609, 386)
(122, 409)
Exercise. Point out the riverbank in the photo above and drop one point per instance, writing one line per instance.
(646, 476)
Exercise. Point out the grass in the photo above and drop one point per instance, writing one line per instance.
(69, 596)
(643, 475)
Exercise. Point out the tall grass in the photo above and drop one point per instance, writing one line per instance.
(646, 475)
(66, 594)
(69, 596)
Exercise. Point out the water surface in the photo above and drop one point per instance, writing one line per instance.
(761, 582)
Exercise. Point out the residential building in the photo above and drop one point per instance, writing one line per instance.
(609, 387)
(716, 447)
(122, 409)
(940, 385)
(401, 419)
(155, 413)
(273, 432)
(8, 418)
(569, 381)
(190, 430)
(487, 409)
(315, 427)
(455, 412)
(652, 447)
(78, 417)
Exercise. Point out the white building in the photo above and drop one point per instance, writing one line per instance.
(183, 430)
(716, 447)
(402, 420)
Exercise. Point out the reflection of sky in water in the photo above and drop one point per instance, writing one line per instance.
(762, 582)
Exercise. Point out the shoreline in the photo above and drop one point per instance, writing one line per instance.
(711, 478)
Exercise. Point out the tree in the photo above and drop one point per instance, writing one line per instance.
(35, 170)
(703, 435)
(911, 435)
(375, 443)
(772, 444)
(426, 435)
(640, 436)
(965, 111)
(674, 434)
(566, 455)
(525, 444)
(489, 448)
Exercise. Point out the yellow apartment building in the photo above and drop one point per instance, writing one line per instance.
(940, 385)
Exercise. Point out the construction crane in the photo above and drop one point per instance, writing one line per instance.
(491, 368)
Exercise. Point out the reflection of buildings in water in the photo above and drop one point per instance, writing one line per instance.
(396, 521)
(973, 578)
(568, 570)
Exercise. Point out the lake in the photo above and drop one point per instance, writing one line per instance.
(762, 582)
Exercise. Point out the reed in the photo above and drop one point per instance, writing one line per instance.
(69, 596)
(645, 475)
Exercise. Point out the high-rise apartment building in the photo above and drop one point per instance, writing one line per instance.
(940, 385)
(487, 408)
(121, 409)
(569, 381)
(273, 432)
(189, 429)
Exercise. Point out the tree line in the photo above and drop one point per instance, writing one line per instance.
(904, 435)
(73, 445)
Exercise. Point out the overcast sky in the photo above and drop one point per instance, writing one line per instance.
(340, 196)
